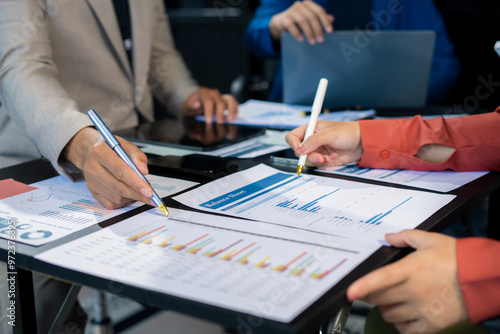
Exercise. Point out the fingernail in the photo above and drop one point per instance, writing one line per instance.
(301, 148)
(146, 192)
(320, 39)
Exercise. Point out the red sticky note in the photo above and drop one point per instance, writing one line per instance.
(11, 187)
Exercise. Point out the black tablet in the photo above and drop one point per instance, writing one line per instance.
(189, 134)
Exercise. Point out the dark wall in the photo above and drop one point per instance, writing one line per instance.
(210, 36)
(473, 26)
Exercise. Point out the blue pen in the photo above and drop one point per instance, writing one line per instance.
(115, 146)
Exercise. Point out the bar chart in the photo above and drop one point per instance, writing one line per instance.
(314, 203)
(221, 245)
(221, 261)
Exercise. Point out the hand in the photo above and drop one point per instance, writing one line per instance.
(419, 293)
(110, 180)
(210, 102)
(333, 143)
(303, 17)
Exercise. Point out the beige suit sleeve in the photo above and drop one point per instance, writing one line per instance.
(29, 91)
(170, 78)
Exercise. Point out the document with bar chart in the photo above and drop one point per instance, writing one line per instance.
(263, 270)
(442, 181)
(59, 207)
(315, 203)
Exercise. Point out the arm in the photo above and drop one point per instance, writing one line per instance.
(258, 37)
(30, 91)
(479, 277)
(35, 100)
(397, 144)
(175, 87)
(458, 143)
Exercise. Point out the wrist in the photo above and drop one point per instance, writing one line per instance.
(274, 27)
(77, 148)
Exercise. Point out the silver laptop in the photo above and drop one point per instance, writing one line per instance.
(374, 69)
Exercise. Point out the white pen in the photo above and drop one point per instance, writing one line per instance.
(315, 111)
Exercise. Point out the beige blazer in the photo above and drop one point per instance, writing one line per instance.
(60, 58)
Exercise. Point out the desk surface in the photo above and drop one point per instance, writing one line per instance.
(308, 322)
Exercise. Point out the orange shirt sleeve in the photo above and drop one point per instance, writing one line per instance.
(479, 276)
(393, 143)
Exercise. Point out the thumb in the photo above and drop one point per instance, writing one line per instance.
(411, 238)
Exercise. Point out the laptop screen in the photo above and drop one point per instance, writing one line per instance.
(367, 69)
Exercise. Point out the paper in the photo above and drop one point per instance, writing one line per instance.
(58, 207)
(439, 181)
(162, 150)
(270, 142)
(315, 203)
(266, 271)
(287, 116)
(11, 187)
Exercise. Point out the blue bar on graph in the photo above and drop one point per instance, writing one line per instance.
(390, 174)
(245, 191)
(316, 200)
(376, 220)
(303, 208)
(363, 171)
(372, 218)
(248, 199)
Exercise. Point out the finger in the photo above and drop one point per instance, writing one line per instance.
(291, 27)
(124, 181)
(96, 178)
(110, 204)
(208, 108)
(294, 137)
(420, 326)
(380, 279)
(324, 19)
(412, 238)
(220, 107)
(314, 14)
(316, 140)
(193, 105)
(317, 159)
(136, 155)
(232, 107)
(302, 19)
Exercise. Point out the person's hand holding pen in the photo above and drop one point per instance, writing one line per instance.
(332, 144)
(110, 180)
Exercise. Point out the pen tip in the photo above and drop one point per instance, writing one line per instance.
(299, 170)
(163, 209)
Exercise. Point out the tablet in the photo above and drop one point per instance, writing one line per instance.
(189, 134)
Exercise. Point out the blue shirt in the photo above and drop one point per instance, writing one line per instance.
(386, 15)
